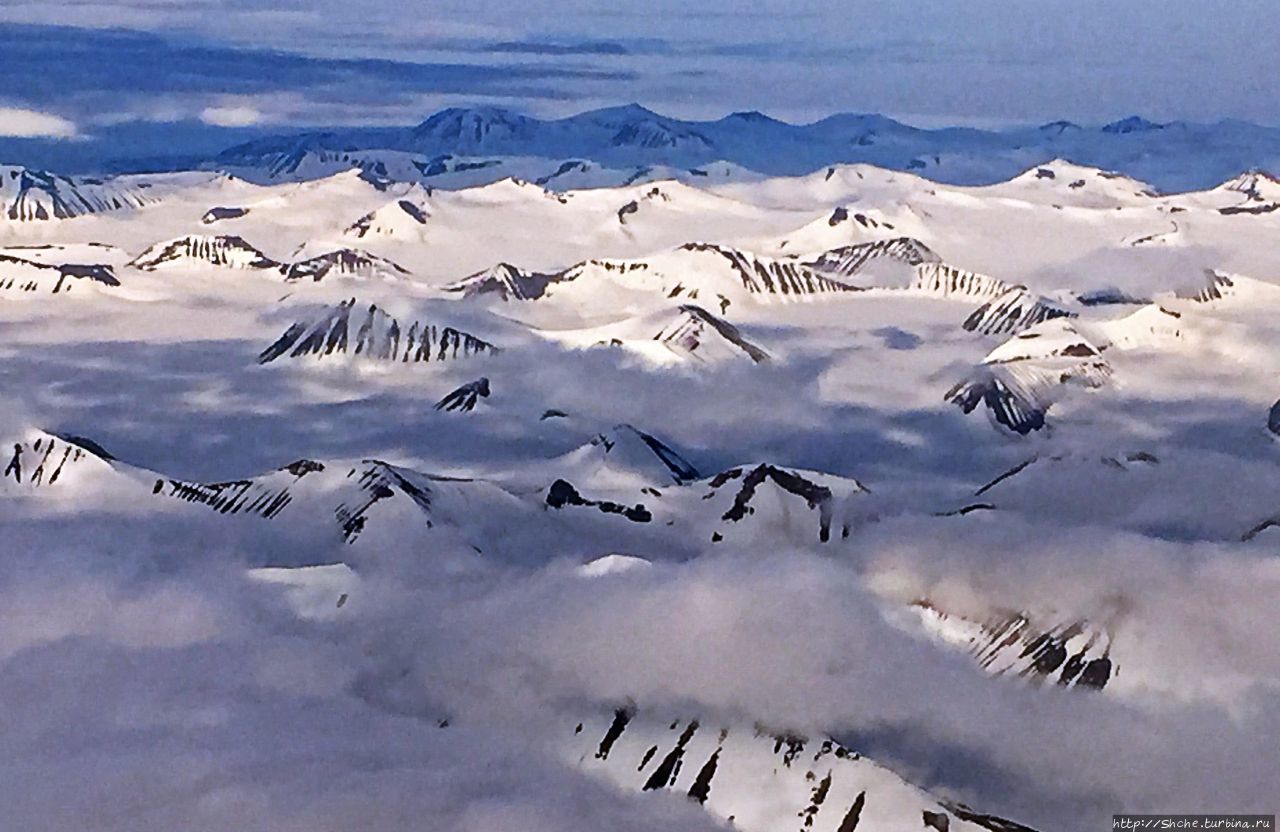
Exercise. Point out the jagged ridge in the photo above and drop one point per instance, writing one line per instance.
(231, 251)
(1012, 311)
(27, 195)
(372, 333)
(848, 261)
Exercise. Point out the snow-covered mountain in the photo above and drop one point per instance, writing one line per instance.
(404, 218)
(226, 251)
(202, 249)
(1021, 379)
(343, 262)
(65, 467)
(33, 195)
(1073, 654)
(685, 334)
(358, 500)
(18, 275)
(316, 155)
(356, 331)
(625, 457)
(751, 498)
(703, 273)
(735, 770)
(1012, 311)
(904, 263)
(505, 282)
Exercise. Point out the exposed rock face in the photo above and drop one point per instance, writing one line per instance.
(506, 282)
(1261, 192)
(18, 275)
(1216, 286)
(403, 219)
(763, 276)
(349, 495)
(221, 250)
(695, 327)
(44, 460)
(619, 470)
(34, 195)
(693, 270)
(268, 496)
(370, 333)
(849, 261)
(1273, 419)
(1268, 208)
(759, 493)
(1256, 185)
(948, 281)
(466, 397)
(562, 493)
(687, 334)
(1012, 311)
(1071, 654)
(345, 262)
(1108, 297)
(631, 448)
(841, 214)
(1021, 379)
(218, 214)
(233, 252)
(1015, 407)
(904, 263)
(739, 772)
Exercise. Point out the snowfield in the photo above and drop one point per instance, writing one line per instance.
(338, 495)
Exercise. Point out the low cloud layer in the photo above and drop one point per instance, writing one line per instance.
(198, 695)
(16, 122)
(232, 116)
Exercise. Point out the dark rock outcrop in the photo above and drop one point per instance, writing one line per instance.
(466, 397)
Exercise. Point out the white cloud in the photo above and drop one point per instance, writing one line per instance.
(16, 122)
(230, 116)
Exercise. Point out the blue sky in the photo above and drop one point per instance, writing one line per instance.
(86, 69)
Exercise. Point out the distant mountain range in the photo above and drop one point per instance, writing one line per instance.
(1172, 156)
(462, 146)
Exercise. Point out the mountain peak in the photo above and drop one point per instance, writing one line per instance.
(752, 117)
(1132, 124)
(472, 130)
(482, 112)
(1256, 184)
(1059, 127)
(27, 194)
(626, 112)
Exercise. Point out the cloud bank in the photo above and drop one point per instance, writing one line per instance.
(17, 122)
